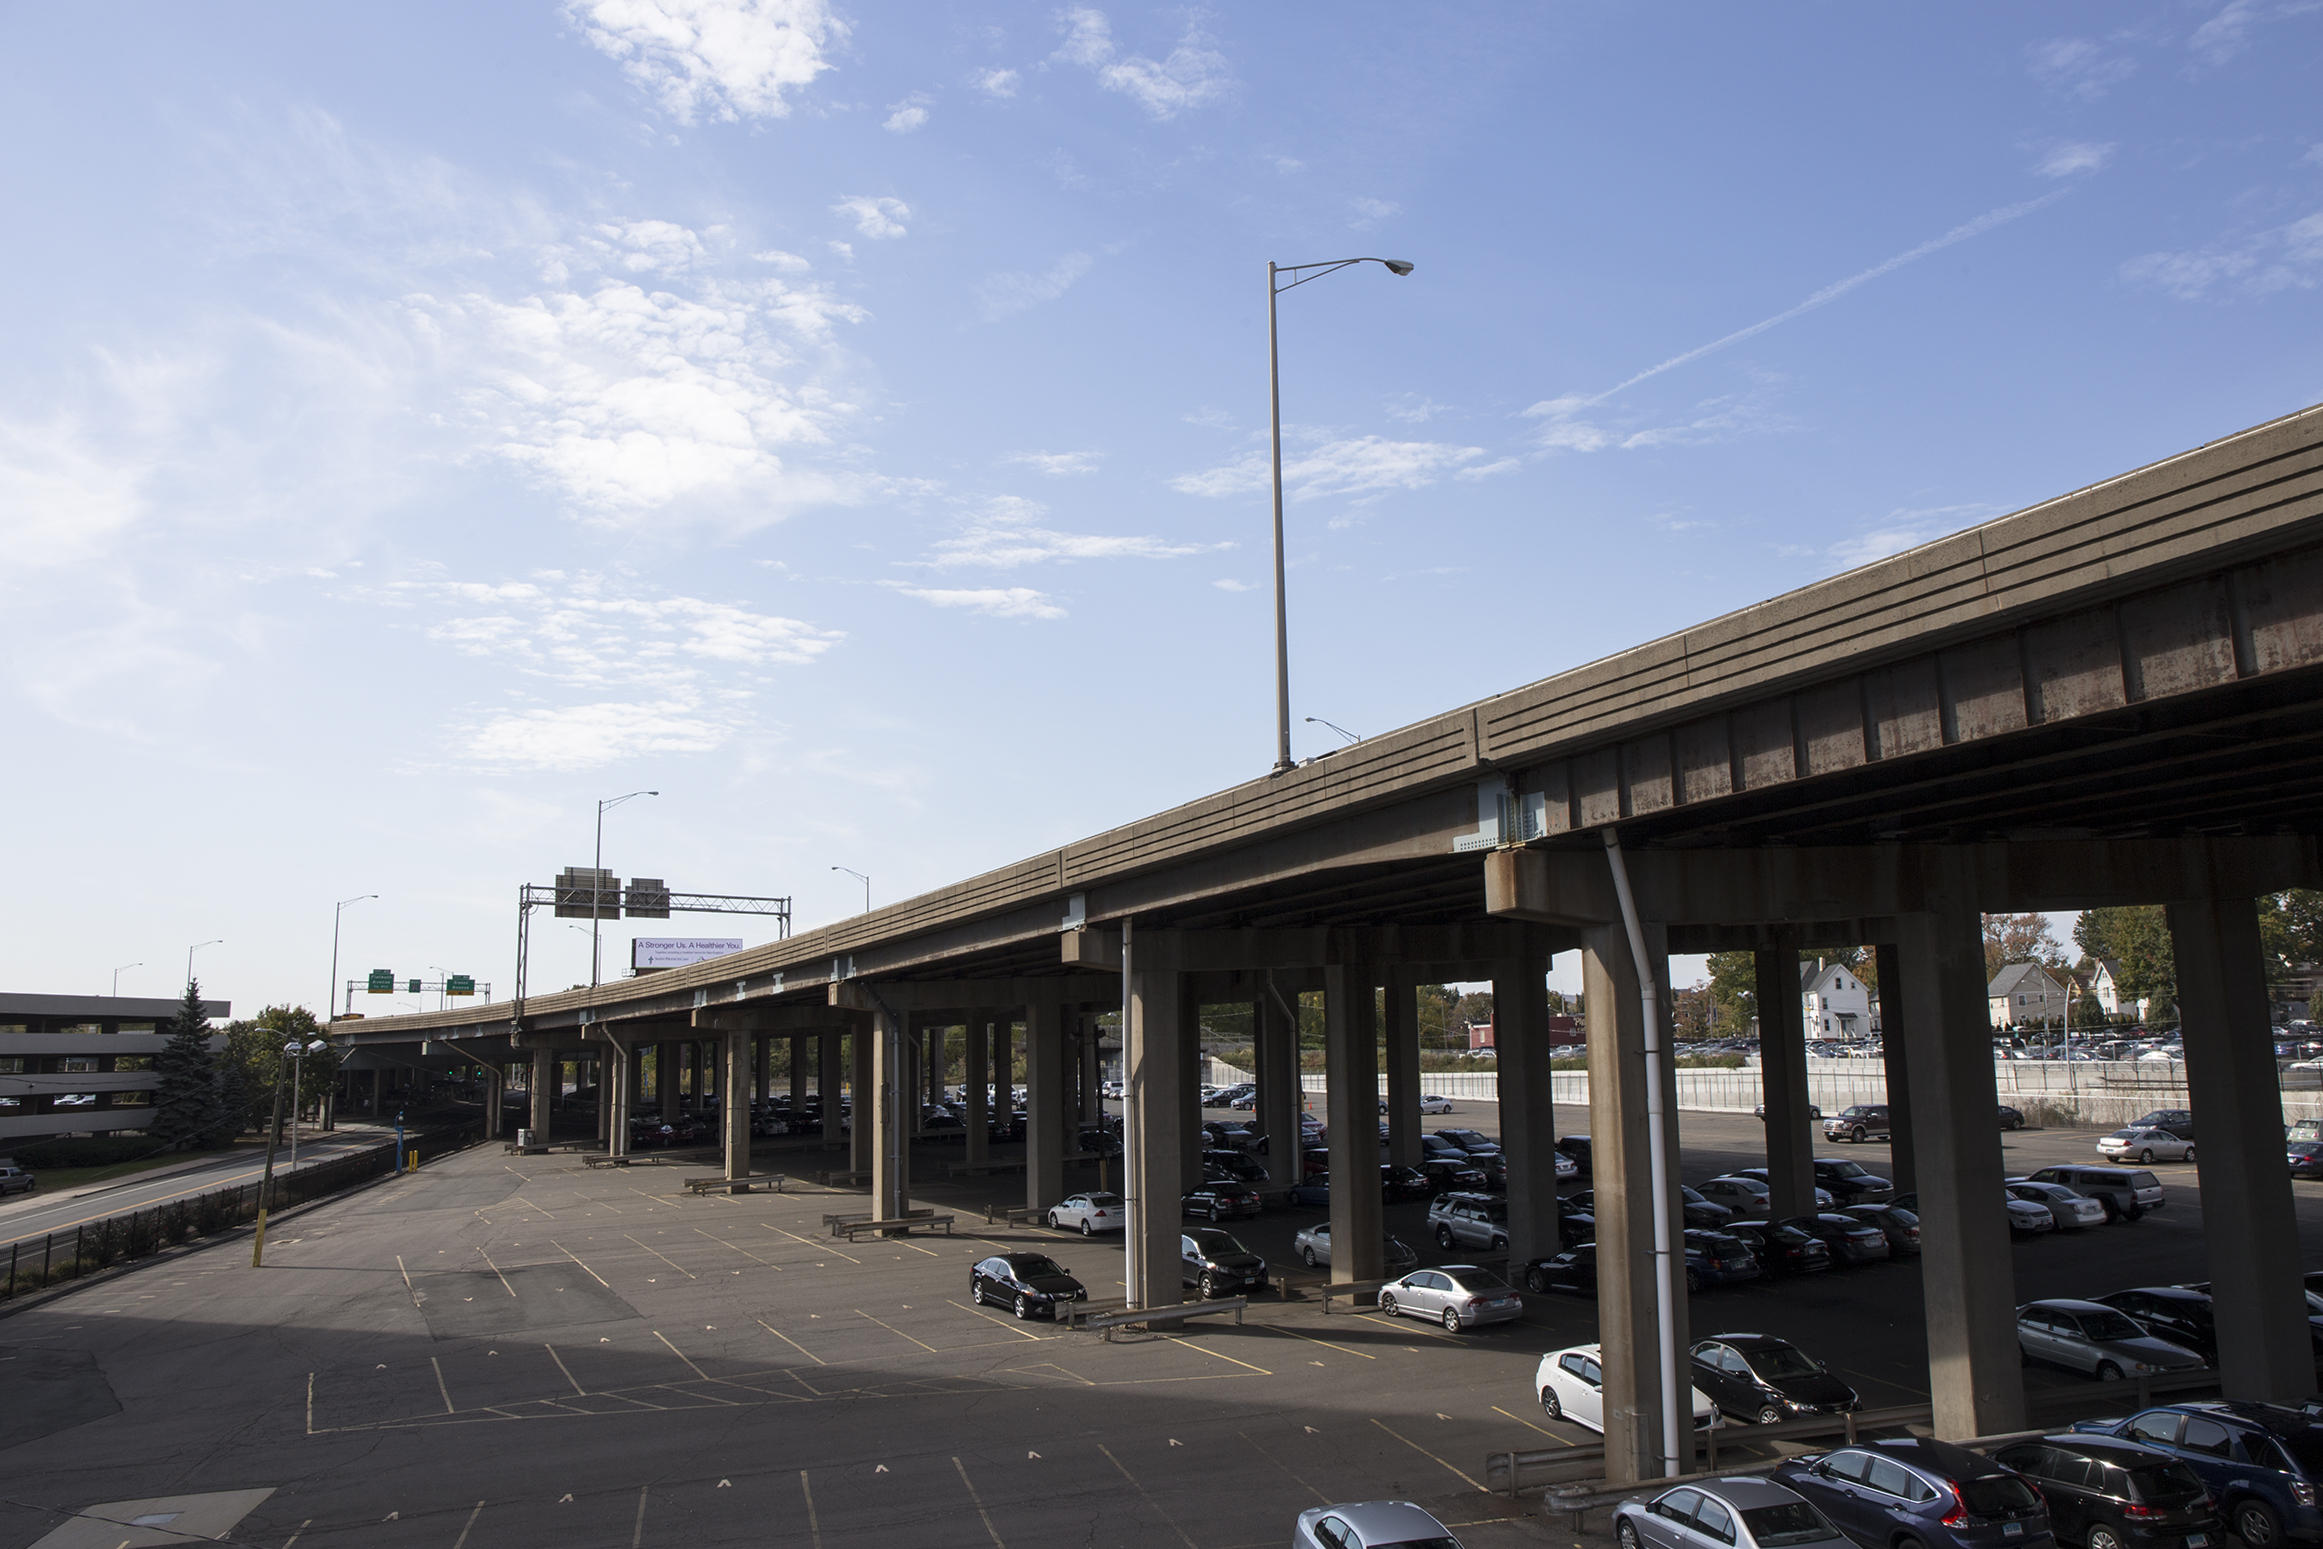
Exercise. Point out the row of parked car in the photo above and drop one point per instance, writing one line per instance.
(2175, 1476)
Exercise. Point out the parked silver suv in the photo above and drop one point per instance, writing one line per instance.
(1469, 1221)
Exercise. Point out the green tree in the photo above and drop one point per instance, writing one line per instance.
(2136, 939)
(186, 1111)
(1436, 1027)
(1733, 988)
(1691, 1013)
(254, 1056)
(2020, 938)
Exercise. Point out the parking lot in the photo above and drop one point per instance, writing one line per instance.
(521, 1350)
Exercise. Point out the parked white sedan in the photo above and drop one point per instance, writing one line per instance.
(2070, 1210)
(1571, 1384)
(2026, 1218)
(1090, 1213)
(1430, 1102)
(2145, 1146)
(1457, 1295)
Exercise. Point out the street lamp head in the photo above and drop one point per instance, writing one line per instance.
(1397, 265)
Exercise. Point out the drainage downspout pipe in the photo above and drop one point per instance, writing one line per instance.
(1132, 1159)
(1677, 1415)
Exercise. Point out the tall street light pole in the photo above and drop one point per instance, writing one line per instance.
(117, 976)
(340, 909)
(597, 877)
(1316, 720)
(866, 881)
(196, 947)
(1275, 286)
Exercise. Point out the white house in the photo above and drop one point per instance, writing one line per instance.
(2025, 993)
(1833, 1002)
(2102, 983)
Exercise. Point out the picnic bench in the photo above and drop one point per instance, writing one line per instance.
(715, 1183)
(853, 1227)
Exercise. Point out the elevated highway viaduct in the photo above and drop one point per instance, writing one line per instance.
(2110, 697)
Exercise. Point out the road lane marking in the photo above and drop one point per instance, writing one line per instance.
(409, 1289)
(468, 1526)
(576, 1258)
(292, 1541)
(504, 1285)
(578, 1390)
(440, 1387)
(738, 1248)
(1260, 1448)
(1521, 1420)
(997, 1541)
(1425, 1453)
(681, 1355)
(1179, 1339)
(814, 1522)
(637, 1533)
(1147, 1496)
(1021, 1333)
(794, 1344)
(810, 1242)
(666, 1259)
(1282, 1328)
(310, 1432)
(899, 1333)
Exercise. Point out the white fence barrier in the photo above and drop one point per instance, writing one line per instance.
(2102, 1093)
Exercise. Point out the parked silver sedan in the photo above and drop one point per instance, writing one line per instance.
(1713, 1513)
(1369, 1525)
(1313, 1246)
(2144, 1146)
(2094, 1338)
(1457, 1295)
(2070, 1210)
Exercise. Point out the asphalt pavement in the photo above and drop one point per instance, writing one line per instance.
(517, 1351)
(30, 1217)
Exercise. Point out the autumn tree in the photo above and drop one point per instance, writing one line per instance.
(2020, 938)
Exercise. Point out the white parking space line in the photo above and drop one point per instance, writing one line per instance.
(1521, 1420)
(666, 1259)
(795, 1345)
(814, 1521)
(504, 1285)
(578, 1390)
(441, 1387)
(576, 1258)
(997, 1541)
(1146, 1495)
(899, 1333)
(1021, 1333)
(681, 1355)
(810, 1242)
(467, 1527)
(1425, 1453)
(637, 1532)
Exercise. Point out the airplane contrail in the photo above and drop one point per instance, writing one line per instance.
(1824, 297)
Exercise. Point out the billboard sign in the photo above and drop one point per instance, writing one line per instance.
(679, 951)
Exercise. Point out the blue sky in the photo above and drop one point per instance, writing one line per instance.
(422, 421)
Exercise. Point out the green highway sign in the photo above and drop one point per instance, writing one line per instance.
(382, 982)
(414, 990)
(460, 984)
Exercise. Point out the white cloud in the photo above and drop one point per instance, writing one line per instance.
(788, 263)
(1568, 424)
(2078, 67)
(875, 216)
(1362, 465)
(718, 59)
(2225, 34)
(66, 497)
(626, 399)
(996, 83)
(1057, 465)
(1004, 536)
(1194, 75)
(1010, 292)
(1907, 529)
(845, 250)
(1229, 584)
(909, 114)
(578, 737)
(1289, 166)
(1370, 212)
(2279, 258)
(2073, 157)
(1489, 470)
(1003, 602)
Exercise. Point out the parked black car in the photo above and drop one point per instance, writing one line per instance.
(1220, 1200)
(1863, 1121)
(1575, 1269)
(2305, 1158)
(2172, 1312)
(1762, 1379)
(1446, 1176)
(1851, 1183)
(2109, 1494)
(1473, 1142)
(1215, 1264)
(1402, 1183)
(1701, 1214)
(1902, 1227)
(2178, 1121)
(2264, 1462)
(1025, 1283)
(2010, 1118)
(1782, 1248)
(1926, 1492)
(1851, 1241)
(1240, 1166)
(1576, 1147)
(1712, 1258)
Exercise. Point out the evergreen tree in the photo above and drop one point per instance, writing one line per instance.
(186, 1112)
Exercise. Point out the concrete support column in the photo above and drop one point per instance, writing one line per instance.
(2249, 1226)
(698, 1070)
(1974, 1376)
(1782, 1060)
(1276, 1032)
(734, 1090)
(622, 1068)
(829, 1078)
(1351, 1087)
(914, 1060)
(665, 1080)
(762, 1069)
(494, 1079)
(800, 1060)
(1903, 1160)
(1400, 1024)
(543, 1078)
(601, 1080)
(978, 1078)
(1528, 1114)
(1092, 1078)
(1621, 1171)
(889, 1123)
(860, 1098)
(1044, 1072)
(1189, 1047)
(1155, 1024)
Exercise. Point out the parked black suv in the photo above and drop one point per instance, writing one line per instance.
(2178, 1121)
(2110, 1494)
(2264, 1462)
(1757, 1377)
(1215, 1264)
